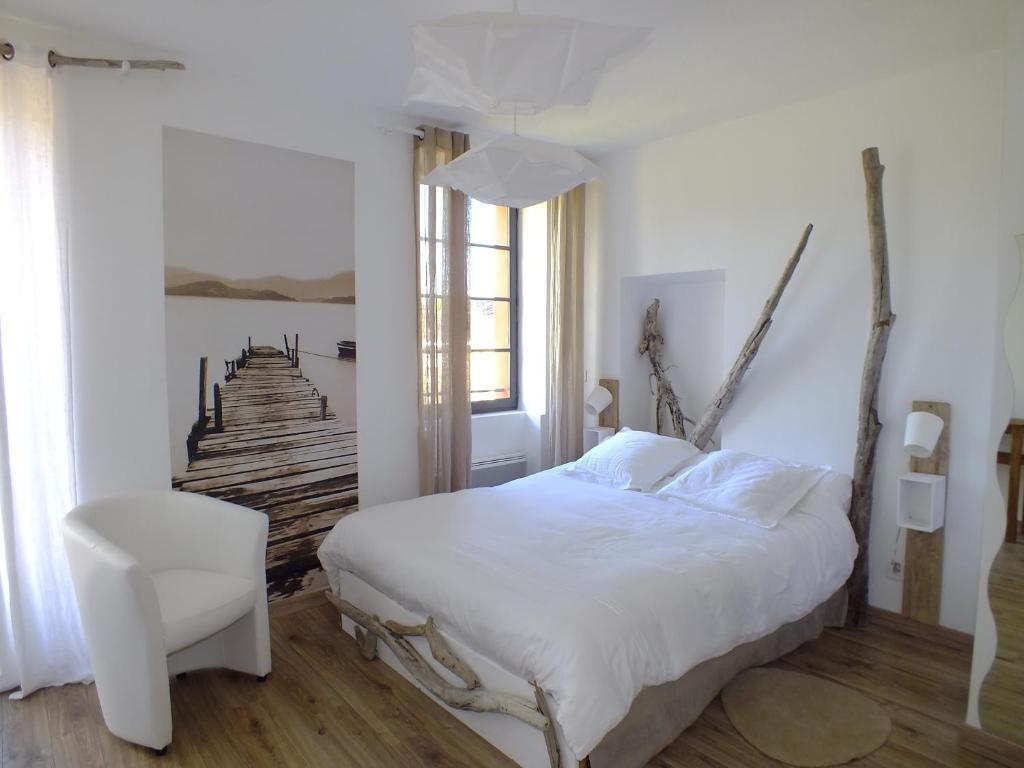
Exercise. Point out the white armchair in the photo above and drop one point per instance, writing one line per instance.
(166, 582)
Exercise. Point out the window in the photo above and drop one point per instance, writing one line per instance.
(493, 307)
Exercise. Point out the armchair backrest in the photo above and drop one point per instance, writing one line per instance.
(169, 529)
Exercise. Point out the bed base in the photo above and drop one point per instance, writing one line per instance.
(471, 695)
(658, 714)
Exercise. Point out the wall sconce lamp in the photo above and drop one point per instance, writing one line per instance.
(922, 433)
(597, 401)
(602, 402)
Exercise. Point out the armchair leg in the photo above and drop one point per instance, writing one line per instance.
(181, 675)
(160, 752)
(261, 679)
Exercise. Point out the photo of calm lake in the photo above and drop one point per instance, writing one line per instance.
(260, 316)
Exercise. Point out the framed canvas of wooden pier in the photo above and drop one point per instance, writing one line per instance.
(260, 296)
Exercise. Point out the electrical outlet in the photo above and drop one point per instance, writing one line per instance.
(895, 570)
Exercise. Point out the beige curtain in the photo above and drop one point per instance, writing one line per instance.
(564, 425)
(445, 441)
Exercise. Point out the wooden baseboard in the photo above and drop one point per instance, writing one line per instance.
(296, 603)
(928, 632)
(992, 749)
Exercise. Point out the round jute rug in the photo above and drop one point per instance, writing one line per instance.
(803, 720)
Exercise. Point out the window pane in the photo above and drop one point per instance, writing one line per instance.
(488, 325)
(440, 213)
(490, 375)
(431, 316)
(424, 211)
(488, 224)
(489, 272)
(431, 254)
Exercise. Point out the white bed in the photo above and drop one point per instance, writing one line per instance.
(594, 593)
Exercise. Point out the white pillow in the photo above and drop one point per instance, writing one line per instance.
(755, 489)
(669, 478)
(634, 460)
(829, 496)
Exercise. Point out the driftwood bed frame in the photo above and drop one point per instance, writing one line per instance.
(370, 629)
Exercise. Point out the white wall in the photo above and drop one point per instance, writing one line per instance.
(1012, 211)
(736, 196)
(114, 126)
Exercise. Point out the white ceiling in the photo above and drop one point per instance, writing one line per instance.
(709, 60)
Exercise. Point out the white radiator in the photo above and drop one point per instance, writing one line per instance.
(497, 470)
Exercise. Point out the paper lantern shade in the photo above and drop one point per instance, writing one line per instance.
(514, 171)
(502, 63)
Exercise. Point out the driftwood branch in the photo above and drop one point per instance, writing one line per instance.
(409, 630)
(868, 425)
(472, 697)
(665, 396)
(550, 739)
(709, 421)
(447, 657)
(367, 642)
(60, 60)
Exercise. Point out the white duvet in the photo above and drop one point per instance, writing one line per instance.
(593, 592)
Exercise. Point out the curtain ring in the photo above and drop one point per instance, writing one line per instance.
(6, 50)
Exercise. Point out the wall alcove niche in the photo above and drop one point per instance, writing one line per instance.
(692, 320)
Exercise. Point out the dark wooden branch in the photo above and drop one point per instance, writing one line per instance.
(650, 345)
(202, 392)
(868, 425)
(709, 421)
(218, 409)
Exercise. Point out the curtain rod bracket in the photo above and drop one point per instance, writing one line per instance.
(60, 60)
(6, 50)
(417, 132)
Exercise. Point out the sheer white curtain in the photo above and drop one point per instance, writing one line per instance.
(40, 636)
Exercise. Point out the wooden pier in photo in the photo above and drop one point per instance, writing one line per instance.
(270, 442)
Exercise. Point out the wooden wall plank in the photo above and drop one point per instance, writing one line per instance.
(922, 569)
(610, 416)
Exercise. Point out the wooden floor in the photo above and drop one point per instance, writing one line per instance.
(324, 706)
(275, 453)
(1002, 695)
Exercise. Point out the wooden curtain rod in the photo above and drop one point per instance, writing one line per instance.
(60, 60)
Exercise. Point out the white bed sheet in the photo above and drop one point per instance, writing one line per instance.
(593, 592)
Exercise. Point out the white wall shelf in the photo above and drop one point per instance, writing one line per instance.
(921, 501)
(593, 436)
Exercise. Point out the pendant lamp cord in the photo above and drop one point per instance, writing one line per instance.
(515, 104)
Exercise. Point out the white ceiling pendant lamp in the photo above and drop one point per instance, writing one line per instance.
(514, 171)
(501, 63)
